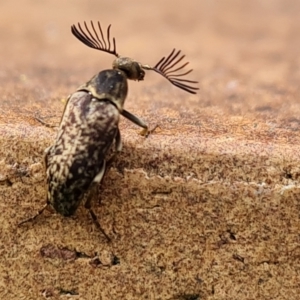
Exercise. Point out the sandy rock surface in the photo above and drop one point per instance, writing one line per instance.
(205, 208)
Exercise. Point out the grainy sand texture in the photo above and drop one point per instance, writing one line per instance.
(207, 207)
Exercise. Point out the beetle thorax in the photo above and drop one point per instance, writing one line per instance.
(130, 67)
(108, 85)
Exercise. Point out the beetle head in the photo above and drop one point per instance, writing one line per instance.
(168, 66)
(130, 67)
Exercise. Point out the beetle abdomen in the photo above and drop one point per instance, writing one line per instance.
(86, 133)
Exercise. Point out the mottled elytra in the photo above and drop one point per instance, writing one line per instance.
(78, 160)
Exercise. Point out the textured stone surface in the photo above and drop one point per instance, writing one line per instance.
(205, 208)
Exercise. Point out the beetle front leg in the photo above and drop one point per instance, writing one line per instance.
(145, 132)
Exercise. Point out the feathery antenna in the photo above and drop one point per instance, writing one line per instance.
(168, 68)
(94, 40)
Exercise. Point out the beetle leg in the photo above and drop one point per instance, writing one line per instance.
(93, 191)
(35, 216)
(93, 187)
(95, 219)
(40, 120)
(99, 179)
(46, 152)
(145, 132)
(118, 148)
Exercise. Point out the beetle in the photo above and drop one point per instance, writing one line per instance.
(78, 160)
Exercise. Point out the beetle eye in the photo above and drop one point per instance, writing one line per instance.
(141, 75)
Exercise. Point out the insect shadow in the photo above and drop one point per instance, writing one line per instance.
(78, 160)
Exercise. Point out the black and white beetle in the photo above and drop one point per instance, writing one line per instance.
(77, 161)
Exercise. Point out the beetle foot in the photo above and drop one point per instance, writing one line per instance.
(146, 132)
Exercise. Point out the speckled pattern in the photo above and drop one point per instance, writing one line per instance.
(207, 207)
(78, 155)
